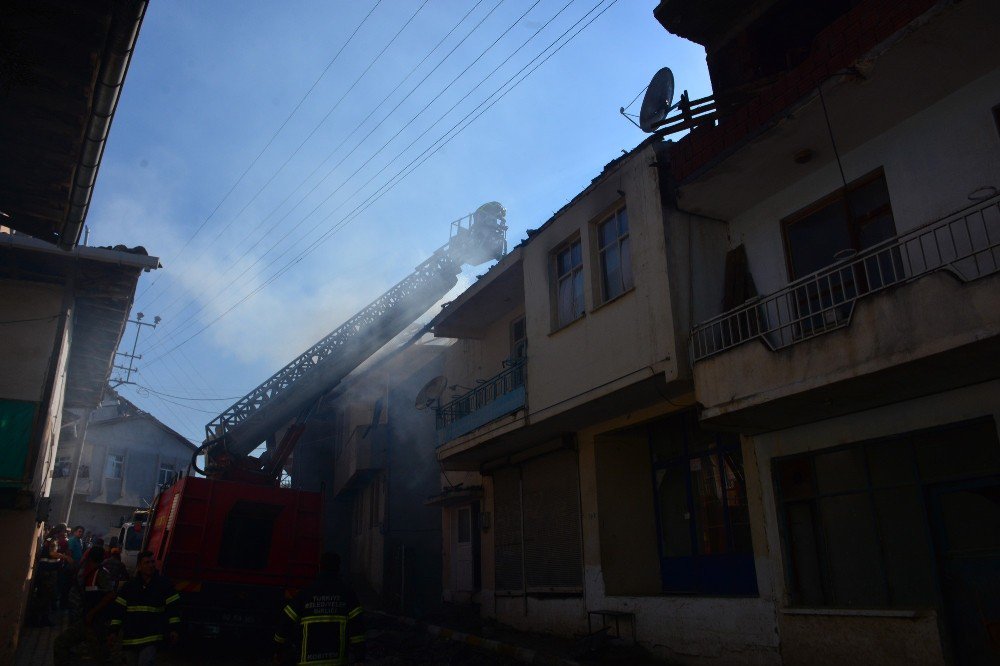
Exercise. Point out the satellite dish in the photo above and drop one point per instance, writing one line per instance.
(431, 392)
(658, 100)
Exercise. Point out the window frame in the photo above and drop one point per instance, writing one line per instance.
(557, 280)
(920, 485)
(119, 460)
(730, 573)
(602, 278)
(518, 345)
(172, 468)
(854, 224)
(61, 467)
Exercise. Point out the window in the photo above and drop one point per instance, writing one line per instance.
(704, 523)
(838, 225)
(246, 535)
(616, 255)
(569, 283)
(60, 469)
(518, 339)
(856, 521)
(537, 534)
(833, 230)
(168, 473)
(115, 466)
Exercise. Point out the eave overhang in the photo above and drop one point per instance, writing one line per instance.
(102, 282)
(64, 64)
(493, 295)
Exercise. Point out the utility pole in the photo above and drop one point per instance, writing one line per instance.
(132, 356)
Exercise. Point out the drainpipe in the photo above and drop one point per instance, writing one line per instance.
(122, 35)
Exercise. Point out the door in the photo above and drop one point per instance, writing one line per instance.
(463, 560)
(966, 522)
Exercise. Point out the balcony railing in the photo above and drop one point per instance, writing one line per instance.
(488, 392)
(967, 243)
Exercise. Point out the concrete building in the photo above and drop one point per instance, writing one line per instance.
(64, 313)
(737, 400)
(383, 471)
(116, 463)
(63, 307)
(856, 178)
(581, 424)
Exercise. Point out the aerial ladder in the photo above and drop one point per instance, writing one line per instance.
(289, 394)
(234, 541)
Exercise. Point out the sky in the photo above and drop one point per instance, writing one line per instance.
(288, 162)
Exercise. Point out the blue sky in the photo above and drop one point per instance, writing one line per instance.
(212, 83)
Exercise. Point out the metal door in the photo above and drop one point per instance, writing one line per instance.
(966, 521)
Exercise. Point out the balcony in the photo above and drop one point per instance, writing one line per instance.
(362, 455)
(944, 297)
(493, 398)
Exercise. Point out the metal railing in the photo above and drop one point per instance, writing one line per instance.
(967, 243)
(489, 390)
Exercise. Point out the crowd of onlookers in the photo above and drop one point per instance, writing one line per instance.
(65, 559)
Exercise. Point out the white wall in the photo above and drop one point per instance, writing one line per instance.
(616, 343)
(932, 161)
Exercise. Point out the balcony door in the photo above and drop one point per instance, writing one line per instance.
(831, 231)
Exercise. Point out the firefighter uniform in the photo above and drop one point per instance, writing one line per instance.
(322, 624)
(145, 613)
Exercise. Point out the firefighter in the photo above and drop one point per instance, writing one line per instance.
(94, 593)
(322, 624)
(146, 612)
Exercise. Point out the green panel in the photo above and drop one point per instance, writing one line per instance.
(16, 420)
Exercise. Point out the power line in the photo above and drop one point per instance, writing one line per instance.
(181, 397)
(191, 316)
(309, 136)
(400, 175)
(24, 321)
(269, 142)
(336, 166)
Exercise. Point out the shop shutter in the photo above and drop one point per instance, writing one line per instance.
(553, 557)
(507, 530)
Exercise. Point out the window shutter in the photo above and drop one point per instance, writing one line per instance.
(507, 534)
(552, 542)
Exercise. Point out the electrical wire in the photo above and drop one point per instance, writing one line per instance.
(181, 397)
(333, 169)
(181, 326)
(269, 141)
(414, 164)
(24, 321)
(306, 140)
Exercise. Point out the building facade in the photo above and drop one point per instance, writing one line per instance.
(737, 400)
(119, 459)
(384, 469)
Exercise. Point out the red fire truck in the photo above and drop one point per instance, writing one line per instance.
(231, 538)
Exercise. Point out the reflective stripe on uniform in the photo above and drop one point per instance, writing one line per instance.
(354, 640)
(354, 613)
(177, 597)
(115, 623)
(121, 600)
(145, 609)
(291, 613)
(174, 620)
(278, 638)
(143, 641)
(310, 619)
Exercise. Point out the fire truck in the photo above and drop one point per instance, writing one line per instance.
(234, 541)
